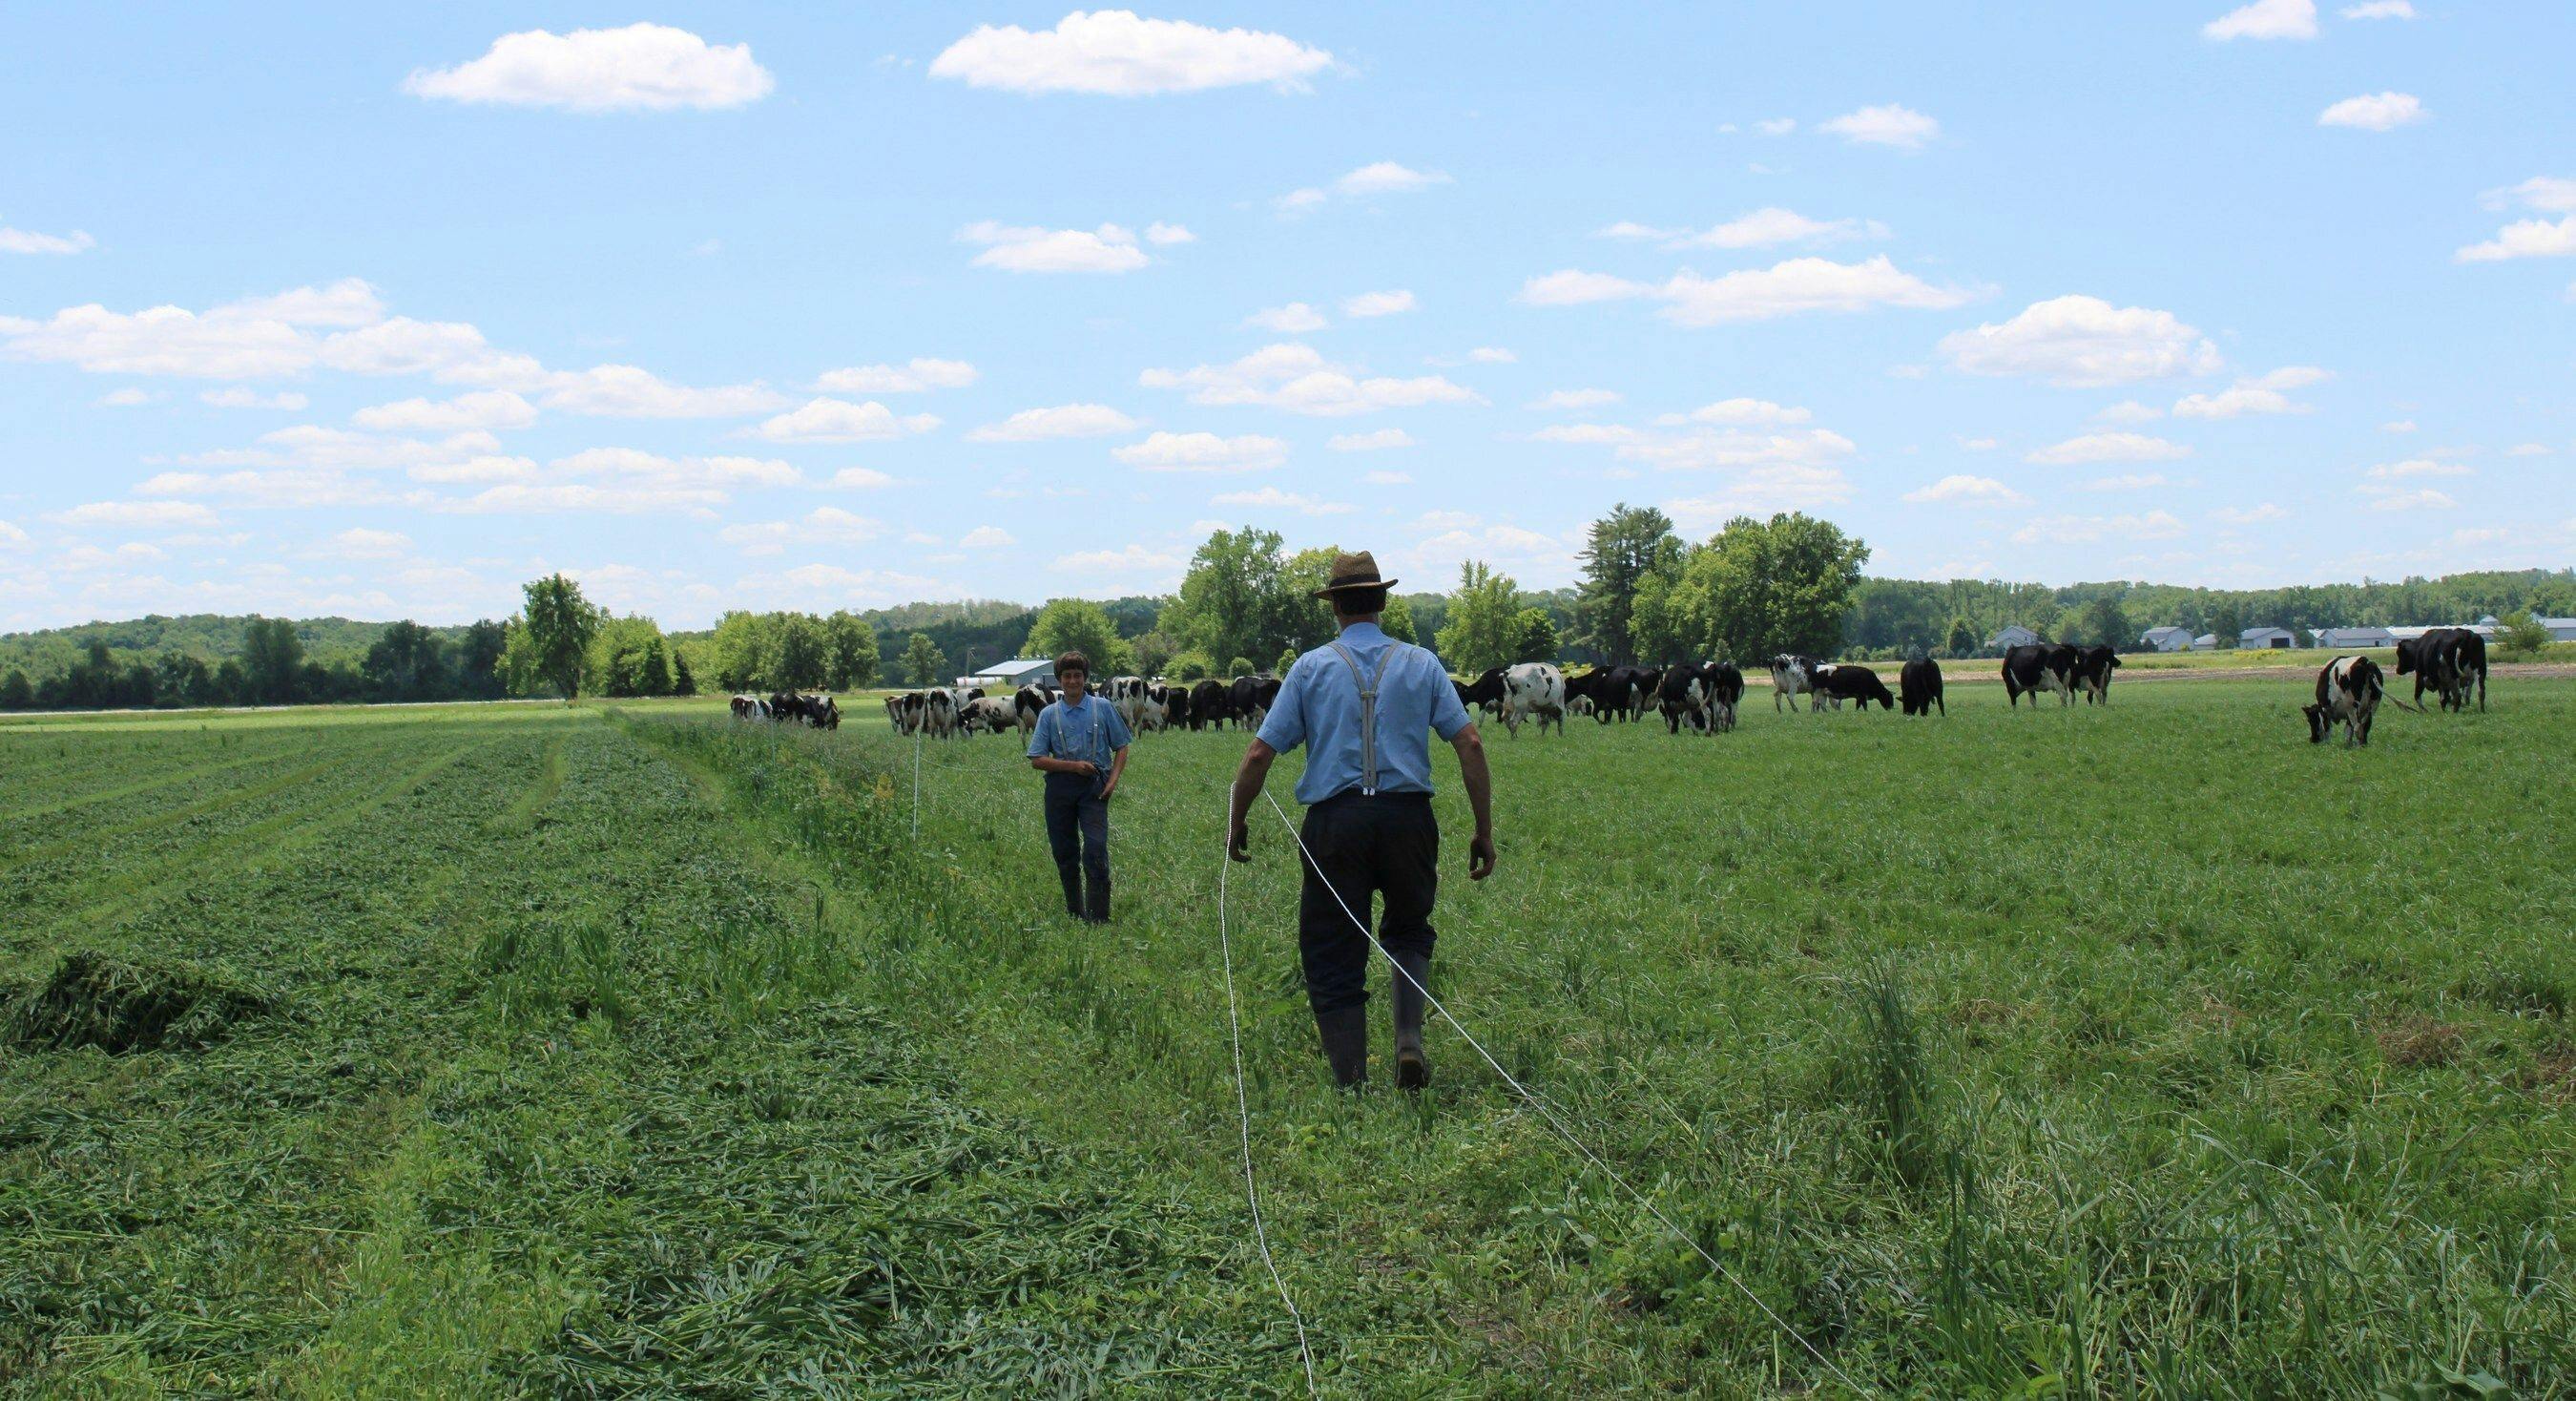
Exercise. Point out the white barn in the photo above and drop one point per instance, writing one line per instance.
(2166, 639)
(2355, 637)
(1015, 673)
(2010, 635)
(2276, 638)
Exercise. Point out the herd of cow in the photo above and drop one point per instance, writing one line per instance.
(1701, 697)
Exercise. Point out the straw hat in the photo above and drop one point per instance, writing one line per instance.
(1357, 571)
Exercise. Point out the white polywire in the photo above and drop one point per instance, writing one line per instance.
(1539, 1103)
(1243, 1115)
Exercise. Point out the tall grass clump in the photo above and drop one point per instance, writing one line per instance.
(1895, 1077)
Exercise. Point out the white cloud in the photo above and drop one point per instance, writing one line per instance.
(312, 445)
(2266, 19)
(348, 302)
(915, 377)
(2081, 342)
(583, 498)
(1296, 318)
(487, 408)
(260, 337)
(1139, 567)
(2524, 238)
(861, 479)
(2425, 500)
(2085, 530)
(1203, 452)
(26, 241)
(1492, 355)
(2109, 447)
(450, 351)
(2527, 450)
(1296, 379)
(2248, 515)
(1368, 304)
(1962, 490)
(280, 488)
(288, 400)
(2130, 411)
(13, 537)
(2261, 395)
(630, 391)
(1807, 457)
(1271, 498)
(2419, 467)
(824, 525)
(2380, 9)
(359, 542)
(484, 469)
(1762, 491)
(2556, 194)
(1740, 412)
(139, 515)
(2130, 481)
(1980, 444)
(839, 421)
(717, 472)
(1388, 478)
(1299, 201)
(2382, 111)
(1387, 177)
(987, 537)
(1575, 399)
(1889, 125)
(1762, 228)
(1062, 421)
(648, 66)
(1776, 126)
(1108, 248)
(1161, 234)
(1376, 441)
(2398, 425)
(1753, 294)
(126, 398)
(1115, 53)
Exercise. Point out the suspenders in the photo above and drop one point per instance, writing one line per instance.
(1368, 710)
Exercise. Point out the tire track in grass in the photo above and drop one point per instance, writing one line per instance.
(76, 801)
(206, 806)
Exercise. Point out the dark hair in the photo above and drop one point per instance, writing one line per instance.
(1072, 661)
(1359, 603)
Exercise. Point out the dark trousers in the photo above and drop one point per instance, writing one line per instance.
(1077, 823)
(1388, 846)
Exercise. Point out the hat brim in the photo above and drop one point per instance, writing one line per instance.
(1329, 590)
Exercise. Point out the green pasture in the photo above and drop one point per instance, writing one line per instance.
(2138, 1050)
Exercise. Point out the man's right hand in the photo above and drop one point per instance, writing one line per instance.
(1238, 843)
(1480, 858)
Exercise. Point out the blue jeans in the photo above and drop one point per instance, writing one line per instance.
(1077, 824)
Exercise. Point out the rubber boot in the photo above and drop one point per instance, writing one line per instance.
(1097, 911)
(1411, 1071)
(1344, 1032)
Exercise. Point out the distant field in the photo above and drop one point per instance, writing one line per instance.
(2139, 1050)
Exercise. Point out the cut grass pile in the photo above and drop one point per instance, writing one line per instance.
(117, 1006)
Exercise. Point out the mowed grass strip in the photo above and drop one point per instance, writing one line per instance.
(2213, 1054)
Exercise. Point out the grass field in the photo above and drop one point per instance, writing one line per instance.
(2140, 1050)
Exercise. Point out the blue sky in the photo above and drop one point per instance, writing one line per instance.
(304, 309)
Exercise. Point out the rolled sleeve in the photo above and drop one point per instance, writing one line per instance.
(1448, 713)
(1284, 728)
(1042, 739)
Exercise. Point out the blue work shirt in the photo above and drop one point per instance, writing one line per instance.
(1091, 730)
(1319, 707)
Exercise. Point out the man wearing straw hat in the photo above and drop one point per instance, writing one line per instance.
(1365, 707)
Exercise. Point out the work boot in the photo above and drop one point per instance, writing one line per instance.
(1344, 1031)
(1097, 911)
(1411, 1071)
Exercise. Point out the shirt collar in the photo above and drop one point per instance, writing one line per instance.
(1363, 632)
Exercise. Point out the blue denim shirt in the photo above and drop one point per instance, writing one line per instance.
(1319, 707)
(1093, 730)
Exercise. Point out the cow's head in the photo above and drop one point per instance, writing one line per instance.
(2317, 723)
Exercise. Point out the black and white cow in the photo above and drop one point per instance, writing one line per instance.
(990, 715)
(1211, 703)
(749, 707)
(1853, 682)
(2036, 667)
(1026, 704)
(2092, 673)
(1530, 690)
(1702, 695)
(1176, 706)
(906, 711)
(2348, 692)
(1918, 687)
(2453, 661)
(1250, 697)
(1792, 676)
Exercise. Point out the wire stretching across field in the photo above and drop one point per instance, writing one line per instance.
(1539, 1103)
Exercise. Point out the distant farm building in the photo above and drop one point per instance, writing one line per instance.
(2279, 638)
(1013, 674)
(2165, 639)
(2009, 636)
(2355, 637)
(2206, 642)
(2560, 629)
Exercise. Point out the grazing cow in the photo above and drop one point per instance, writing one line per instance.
(1176, 706)
(2036, 667)
(1211, 703)
(2451, 660)
(1855, 683)
(1626, 691)
(990, 715)
(1918, 687)
(1792, 676)
(750, 707)
(1583, 693)
(1126, 694)
(1026, 703)
(2348, 692)
(906, 711)
(1251, 698)
(1723, 684)
(2092, 673)
(1703, 695)
(939, 716)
